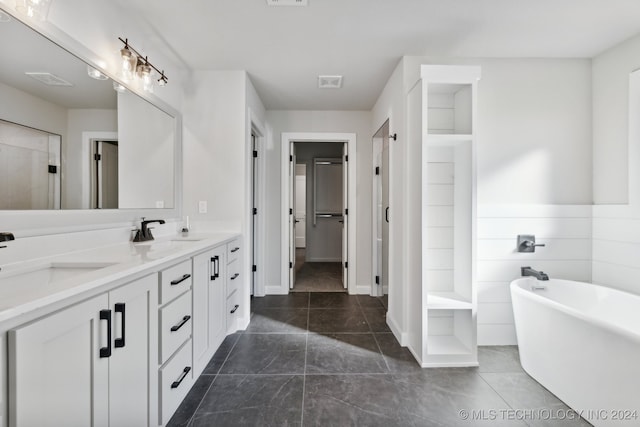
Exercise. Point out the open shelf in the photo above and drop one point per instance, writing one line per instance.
(447, 139)
(446, 344)
(447, 301)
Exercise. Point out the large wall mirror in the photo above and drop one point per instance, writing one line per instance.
(71, 141)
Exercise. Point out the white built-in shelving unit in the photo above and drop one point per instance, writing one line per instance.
(446, 98)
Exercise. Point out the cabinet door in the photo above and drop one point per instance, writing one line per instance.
(57, 377)
(134, 352)
(208, 306)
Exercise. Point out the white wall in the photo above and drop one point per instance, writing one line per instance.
(566, 232)
(391, 106)
(25, 109)
(534, 134)
(616, 228)
(611, 121)
(358, 122)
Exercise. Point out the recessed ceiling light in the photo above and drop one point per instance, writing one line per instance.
(329, 82)
(287, 2)
(49, 79)
(95, 74)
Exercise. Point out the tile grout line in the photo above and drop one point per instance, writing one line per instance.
(306, 351)
(374, 335)
(214, 380)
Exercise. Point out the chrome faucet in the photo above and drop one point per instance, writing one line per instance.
(528, 271)
(143, 234)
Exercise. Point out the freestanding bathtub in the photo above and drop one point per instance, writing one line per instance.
(582, 342)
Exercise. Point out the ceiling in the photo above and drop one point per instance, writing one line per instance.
(35, 53)
(284, 49)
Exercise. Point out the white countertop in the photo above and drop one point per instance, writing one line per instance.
(35, 284)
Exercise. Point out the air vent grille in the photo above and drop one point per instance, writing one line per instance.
(288, 2)
(329, 82)
(49, 79)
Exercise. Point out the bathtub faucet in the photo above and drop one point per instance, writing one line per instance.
(528, 271)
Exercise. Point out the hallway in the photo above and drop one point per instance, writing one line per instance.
(328, 359)
(317, 276)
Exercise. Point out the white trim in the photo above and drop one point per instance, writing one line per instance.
(286, 140)
(402, 337)
(258, 128)
(86, 154)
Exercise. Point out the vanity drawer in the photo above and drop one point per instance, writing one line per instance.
(233, 250)
(233, 311)
(175, 325)
(174, 281)
(233, 277)
(176, 378)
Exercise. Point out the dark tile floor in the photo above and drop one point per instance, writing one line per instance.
(317, 276)
(322, 359)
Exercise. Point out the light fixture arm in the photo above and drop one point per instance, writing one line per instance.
(145, 60)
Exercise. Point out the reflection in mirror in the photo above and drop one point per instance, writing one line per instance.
(29, 168)
(110, 149)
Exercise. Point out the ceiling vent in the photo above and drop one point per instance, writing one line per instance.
(287, 2)
(329, 82)
(49, 79)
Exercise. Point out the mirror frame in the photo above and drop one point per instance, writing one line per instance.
(29, 223)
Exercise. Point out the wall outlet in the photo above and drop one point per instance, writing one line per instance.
(160, 204)
(202, 206)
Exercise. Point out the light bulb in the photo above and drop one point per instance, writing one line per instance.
(144, 71)
(38, 9)
(129, 61)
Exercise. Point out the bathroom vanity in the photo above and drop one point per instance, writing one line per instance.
(115, 335)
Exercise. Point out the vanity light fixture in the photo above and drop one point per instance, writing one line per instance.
(38, 9)
(95, 74)
(135, 65)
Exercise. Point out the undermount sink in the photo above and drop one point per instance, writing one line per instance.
(51, 272)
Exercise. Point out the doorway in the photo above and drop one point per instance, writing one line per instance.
(335, 219)
(104, 190)
(319, 217)
(381, 211)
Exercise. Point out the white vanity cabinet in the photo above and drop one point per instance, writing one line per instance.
(88, 364)
(209, 325)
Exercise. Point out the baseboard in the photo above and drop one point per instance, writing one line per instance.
(315, 259)
(276, 290)
(363, 290)
(400, 336)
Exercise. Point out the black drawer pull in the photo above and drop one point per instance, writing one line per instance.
(215, 267)
(119, 342)
(106, 315)
(180, 280)
(176, 384)
(235, 276)
(235, 308)
(236, 249)
(184, 320)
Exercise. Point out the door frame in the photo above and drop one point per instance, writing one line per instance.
(256, 238)
(295, 137)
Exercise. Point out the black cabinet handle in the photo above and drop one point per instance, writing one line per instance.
(235, 308)
(184, 320)
(119, 342)
(386, 214)
(176, 384)
(215, 267)
(235, 276)
(236, 249)
(180, 280)
(106, 315)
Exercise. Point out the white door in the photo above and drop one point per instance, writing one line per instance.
(301, 205)
(384, 175)
(345, 218)
(60, 378)
(107, 170)
(134, 349)
(292, 218)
